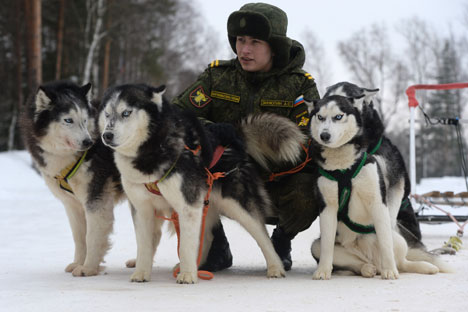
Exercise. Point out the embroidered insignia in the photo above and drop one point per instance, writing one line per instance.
(309, 76)
(277, 103)
(225, 96)
(299, 100)
(198, 97)
(214, 63)
(302, 119)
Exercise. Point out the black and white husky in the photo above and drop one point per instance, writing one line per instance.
(59, 130)
(360, 198)
(385, 152)
(156, 142)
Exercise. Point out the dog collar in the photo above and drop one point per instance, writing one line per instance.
(344, 177)
(68, 172)
(153, 186)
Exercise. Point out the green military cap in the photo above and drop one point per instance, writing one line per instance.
(265, 22)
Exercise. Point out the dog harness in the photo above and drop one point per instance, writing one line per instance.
(153, 186)
(344, 177)
(296, 169)
(68, 172)
(211, 177)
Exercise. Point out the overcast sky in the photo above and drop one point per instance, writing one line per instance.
(334, 20)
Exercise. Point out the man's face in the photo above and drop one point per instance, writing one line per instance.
(254, 55)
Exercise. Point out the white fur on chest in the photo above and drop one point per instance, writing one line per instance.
(365, 191)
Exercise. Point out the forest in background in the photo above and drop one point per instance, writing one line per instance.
(109, 42)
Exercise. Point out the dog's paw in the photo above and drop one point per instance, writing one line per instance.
(71, 267)
(322, 274)
(368, 270)
(140, 276)
(81, 270)
(389, 274)
(187, 278)
(130, 263)
(275, 271)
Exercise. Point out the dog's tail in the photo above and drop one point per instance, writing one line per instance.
(420, 254)
(273, 139)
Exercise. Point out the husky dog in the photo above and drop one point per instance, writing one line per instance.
(157, 142)
(58, 127)
(360, 198)
(387, 154)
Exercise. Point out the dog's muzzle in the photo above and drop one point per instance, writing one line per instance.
(108, 137)
(325, 136)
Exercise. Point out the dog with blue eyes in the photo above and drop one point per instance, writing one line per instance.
(359, 197)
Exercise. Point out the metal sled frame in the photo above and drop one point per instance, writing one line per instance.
(433, 198)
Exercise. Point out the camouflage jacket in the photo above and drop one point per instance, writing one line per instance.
(226, 93)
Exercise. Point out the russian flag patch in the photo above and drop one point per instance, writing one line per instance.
(299, 100)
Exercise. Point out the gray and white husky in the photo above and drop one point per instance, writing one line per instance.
(59, 130)
(360, 198)
(156, 142)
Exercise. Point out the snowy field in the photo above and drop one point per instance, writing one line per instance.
(36, 245)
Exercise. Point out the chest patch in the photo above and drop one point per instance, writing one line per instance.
(277, 103)
(198, 97)
(225, 96)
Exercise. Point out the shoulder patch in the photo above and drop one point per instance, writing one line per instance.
(198, 97)
(220, 63)
(309, 76)
(302, 119)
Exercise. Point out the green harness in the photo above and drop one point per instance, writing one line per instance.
(344, 177)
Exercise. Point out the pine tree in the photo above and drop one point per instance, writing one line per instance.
(440, 150)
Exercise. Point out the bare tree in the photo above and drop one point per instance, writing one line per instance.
(369, 57)
(422, 49)
(317, 62)
(98, 9)
(33, 18)
(60, 29)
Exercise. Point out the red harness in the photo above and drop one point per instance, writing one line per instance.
(211, 177)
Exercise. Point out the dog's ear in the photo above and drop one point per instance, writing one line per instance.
(369, 94)
(357, 101)
(311, 105)
(41, 102)
(157, 97)
(87, 90)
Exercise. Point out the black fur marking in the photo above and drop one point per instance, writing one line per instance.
(171, 129)
(104, 171)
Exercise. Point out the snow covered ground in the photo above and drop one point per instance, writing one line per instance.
(36, 245)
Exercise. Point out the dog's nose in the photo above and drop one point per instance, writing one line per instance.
(325, 136)
(108, 137)
(86, 143)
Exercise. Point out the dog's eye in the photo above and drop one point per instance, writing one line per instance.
(319, 117)
(338, 117)
(68, 120)
(126, 113)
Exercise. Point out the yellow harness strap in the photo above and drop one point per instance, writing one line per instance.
(68, 172)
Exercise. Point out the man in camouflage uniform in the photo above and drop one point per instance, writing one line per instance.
(266, 76)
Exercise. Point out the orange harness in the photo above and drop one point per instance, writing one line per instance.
(211, 177)
(298, 168)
